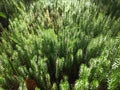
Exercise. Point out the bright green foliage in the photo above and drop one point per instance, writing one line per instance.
(61, 45)
(64, 84)
(82, 82)
(2, 15)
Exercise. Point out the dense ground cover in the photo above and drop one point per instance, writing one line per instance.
(60, 45)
